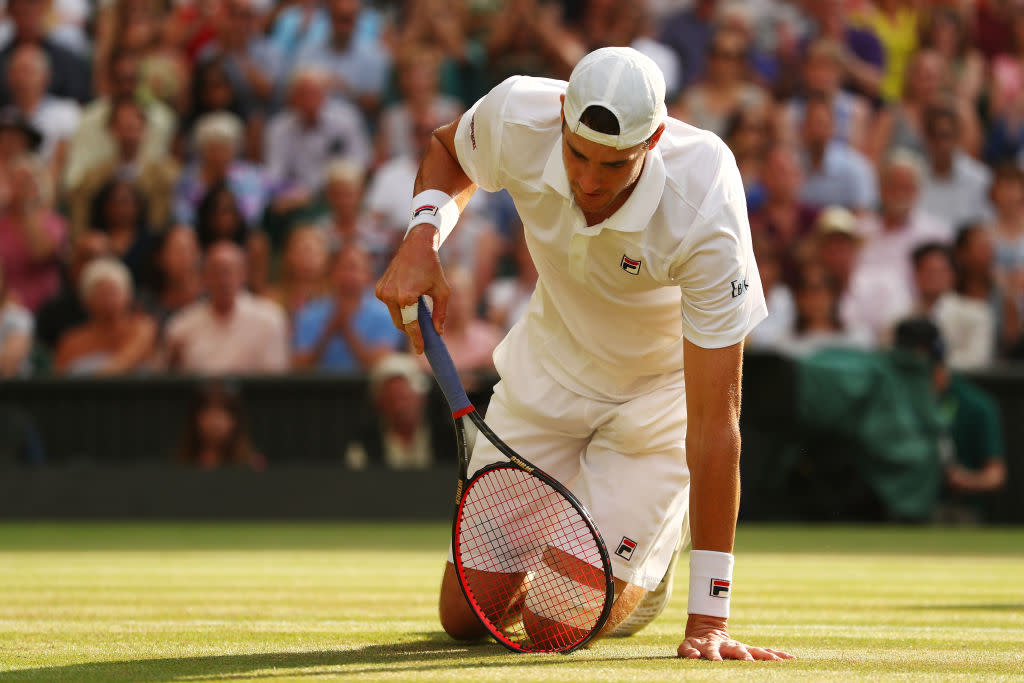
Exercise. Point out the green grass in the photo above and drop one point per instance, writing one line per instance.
(319, 601)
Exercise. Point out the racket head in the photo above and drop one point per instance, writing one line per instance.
(523, 544)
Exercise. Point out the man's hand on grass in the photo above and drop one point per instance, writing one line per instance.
(708, 638)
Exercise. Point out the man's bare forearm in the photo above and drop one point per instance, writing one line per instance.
(440, 168)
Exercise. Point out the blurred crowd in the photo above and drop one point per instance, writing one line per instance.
(213, 186)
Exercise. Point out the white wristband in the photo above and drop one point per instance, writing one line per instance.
(435, 208)
(710, 583)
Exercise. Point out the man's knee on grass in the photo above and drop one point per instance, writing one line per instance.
(501, 595)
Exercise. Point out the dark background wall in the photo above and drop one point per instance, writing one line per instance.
(109, 447)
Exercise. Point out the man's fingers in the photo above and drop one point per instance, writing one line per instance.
(688, 651)
(415, 336)
(439, 294)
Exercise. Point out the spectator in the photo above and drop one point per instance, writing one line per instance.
(69, 73)
(900, 224)
(31, 233)
(1007, 195)
(749, 134)
(418, 84)
(823, 74)
(313, 130)
(401, 439)
(946, 31)
(724, 90)
(954, 186)
(689, 32)
(778, 297)
(896, 24)
(528, 37)
(974, 470)
(344, 224)
(300, 28)
(152, 177)
(350, 329)
(835, 172)
(114, 339)
(934, 278)
(65, 309)
(217, 431)
(220, 218)
(862, 56)
(507, 298)
(631, 25)
(303, 270)
(982, 298)
(783, 220)
(93, 142)
(18, 136)
(817, 324)
(28, 74)
(119, 209)
(358, 68)
(16, 327)
(231, 331)
(175, 280)
(213, 91)
(218, 139)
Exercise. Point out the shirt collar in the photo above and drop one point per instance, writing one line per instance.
(635, 214)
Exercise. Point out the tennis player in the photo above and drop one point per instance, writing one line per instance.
(622, 379)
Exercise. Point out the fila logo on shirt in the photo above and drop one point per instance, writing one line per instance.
(719, 588)
(626, 548)
(631, 266)
(428, 209)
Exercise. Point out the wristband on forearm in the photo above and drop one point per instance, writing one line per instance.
(434, 208)
(710, 583)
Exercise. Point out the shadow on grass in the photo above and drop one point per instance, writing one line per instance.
(997, 606)
(436, 651)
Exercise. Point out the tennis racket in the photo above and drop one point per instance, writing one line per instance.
(528, 556)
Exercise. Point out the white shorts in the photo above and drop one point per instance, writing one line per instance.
(624, 461)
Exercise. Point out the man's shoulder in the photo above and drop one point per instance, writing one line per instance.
(529, 101)
(190, 317)
(260, 310)
(695, 161)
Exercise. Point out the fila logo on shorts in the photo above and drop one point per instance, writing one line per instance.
(720, 588)
(428, 209)
(626, 548)
(629, 265)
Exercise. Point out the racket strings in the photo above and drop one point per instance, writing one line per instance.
(531, 564)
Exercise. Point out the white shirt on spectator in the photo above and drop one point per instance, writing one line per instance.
(253, 339)
(888, 251)
(969, 329)
(297, 154)
(57, 119)
(960, 198)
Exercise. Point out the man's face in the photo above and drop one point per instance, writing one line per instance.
(818, 124)
(838, 253)
(128, 127)
(942, 138)
(598, 174)
(934, 274)
(27, 72)
(899, 191)
(225, 274)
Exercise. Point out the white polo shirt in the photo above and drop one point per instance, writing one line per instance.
(614, 301)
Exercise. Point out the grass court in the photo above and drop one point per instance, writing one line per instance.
(203, 601)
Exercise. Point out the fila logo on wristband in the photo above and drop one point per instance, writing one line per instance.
(426, 209)
(720, 588)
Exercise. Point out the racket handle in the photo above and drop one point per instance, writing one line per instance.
(441, 362)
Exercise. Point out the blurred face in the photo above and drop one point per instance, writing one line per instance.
(27, 15)
(343, 17)
(818, 125)
(814, 299)
(225, 219)
(419, 80)
(942, 138)
(90, 246)
(216, 92)
(934, 275)
(977, 253)
(925, 76)
(180, 255)
(218, 154)
(899, 192)
(13, 144)
(308, 96)
(124, 76)
(225, 274)
(1008, 195)
(727, 58)
(241, 19)
(307, 255)
(599, 174)
(945, 35)
(343, 197)
(128, 127)
(27, 73)
(782, 175)
(751, 137)
(107, 300)
(351, 272)
(215, 425)
(838, 254)
(400, 404)
(122, 210)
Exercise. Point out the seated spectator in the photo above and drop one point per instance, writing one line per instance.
(401, 439)
(749, 135)
(358, 66)
(778, 298)
(69, 73)
(18, 137)
(300, 28)
(220, 218)
(31, 233)
(231, 331)
(863, 57)
(152, 177)
(900, 224)
(93, 143)
(175, 280)
(303, 270)
(725, 88)
(16, 326)
(350, 329)
(975, 468)
(508, 297)
(218, 138)
(688, 32)
(783, 220)
(213, 92)
(529, 38)
(982, 302)
(119, 209)
(1007, 194)
(954, 185)
(65, 309)
(947, 31)
(835, 172)
(303, 138)
(217, 431)
(934, 278)
(114, 340)
(345, 223)
(420, 100)
(817, 324)
(27, 76)
(471, 340)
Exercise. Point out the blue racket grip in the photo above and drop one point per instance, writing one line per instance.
(441, 362)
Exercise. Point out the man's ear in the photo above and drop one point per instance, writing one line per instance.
(561, 110)
(656, 136)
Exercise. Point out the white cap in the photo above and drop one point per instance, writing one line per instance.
(625, 82)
